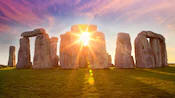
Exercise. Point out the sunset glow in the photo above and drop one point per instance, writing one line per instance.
(85, 37)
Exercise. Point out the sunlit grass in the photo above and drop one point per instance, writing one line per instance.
(87, 83)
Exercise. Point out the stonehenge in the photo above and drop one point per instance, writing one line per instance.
(123, 58)
(150, 50)
(45, 52)
(12, 56)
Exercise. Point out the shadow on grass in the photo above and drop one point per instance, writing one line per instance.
(168, 69)
(159, 73)
(124, 83)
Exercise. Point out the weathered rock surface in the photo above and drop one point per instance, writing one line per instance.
(53, 51)
(12, 56)
(42, 57)
(156, 49)
(150, 50)
(24, 54)
(33, 33)
(123, 58)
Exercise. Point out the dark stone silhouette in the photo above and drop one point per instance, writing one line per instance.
(12, 56)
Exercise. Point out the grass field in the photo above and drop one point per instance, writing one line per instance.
(86, 83)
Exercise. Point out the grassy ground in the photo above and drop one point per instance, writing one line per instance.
(86, 83)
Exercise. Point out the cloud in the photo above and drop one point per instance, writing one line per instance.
(19, 13)
(4, 27)
(103, 7)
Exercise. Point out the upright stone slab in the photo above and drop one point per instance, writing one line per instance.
(98, 56)
(156, 48)
(164, 53)
(83, 59)
(123, 58)
(64, 56)
(42, 58)
(12, 56)
(24, 54)
(143, 53)
(53, 51)
(68, 52)
(150, 50)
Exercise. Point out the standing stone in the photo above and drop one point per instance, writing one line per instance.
(98, 56)
(53, 51)
(83, 60)
(143, 53)
(164, 54)
(68, 51)
(24, 54)
(12, 58)
(64, 51)
(150, 50)
(156, 48)
(42, 58)
(123, 58)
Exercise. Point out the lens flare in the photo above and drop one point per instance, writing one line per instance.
(84, 37)
(91, 78)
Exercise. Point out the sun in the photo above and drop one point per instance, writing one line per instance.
(85, 37)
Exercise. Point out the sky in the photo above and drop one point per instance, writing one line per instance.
(110, 16)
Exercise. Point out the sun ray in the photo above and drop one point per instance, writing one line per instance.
(85, 37)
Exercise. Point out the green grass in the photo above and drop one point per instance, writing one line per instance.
(108, 83)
